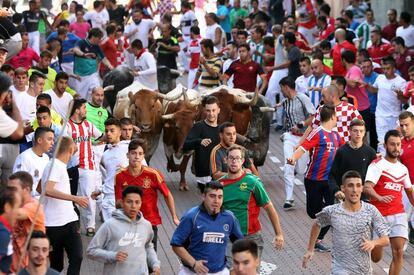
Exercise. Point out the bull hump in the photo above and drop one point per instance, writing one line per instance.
(134, 88)
(232, 91)
(192, 94)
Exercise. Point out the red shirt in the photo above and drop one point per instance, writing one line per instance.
(151, 181)
(338, 68)
(404, 62)
(377, 52)
(269, 63)
(389, 31)
(245, 74)
(324, 34)
(408, 94)
(407, 154)
(24, 59)
(109, 49)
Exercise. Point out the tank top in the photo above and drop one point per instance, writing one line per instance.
(211, 34)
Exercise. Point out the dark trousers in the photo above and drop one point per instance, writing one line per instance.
(155, 239)
(65, 238)
(373, 138)
(73, 173)
(366, 116)
(318, 195)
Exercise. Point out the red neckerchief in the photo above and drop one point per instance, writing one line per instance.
(6, 223)
(141, 52)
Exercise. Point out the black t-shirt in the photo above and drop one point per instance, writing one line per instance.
(200, 131)
(166, 57)
(118, 15)
(294, 55)
(7, 29)
(31, 20)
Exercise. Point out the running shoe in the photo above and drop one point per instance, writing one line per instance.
(289, 204)
(90, 232)
(320, 247)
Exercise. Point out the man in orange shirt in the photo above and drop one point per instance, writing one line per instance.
(109, 48)
(26, 215)
(150, 180)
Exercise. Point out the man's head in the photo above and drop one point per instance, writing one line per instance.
(113, 130)
(406, 120)
(207, 47)
(330, 95)
(289, 39)
(348, 57)
(257, 33)
(392, 15)
(194, 32)
(9, 70)
(62, 33)
(245, 257)
(79, 15)
(376, 36)
(127, 128)
(317, 68)
(43, 116)
(95, 36)
(38, 249)
(235, 158)
(78, 111)
(392, 144)
(388, 66)
(165, 30)
(97, 96)
(366, 67)
(305, 65)
(131, 201)
(67, 148)
(211, 109)
(358, 131)
(340, 35)
(44, 100)
(45, 59)
(405, 18)
(61, 82)
(5, 84)
(136, 152)
(44, 139)
(244, 52)
(137, 16)
(22, 181)
(185, 6)
(136, 46)
(232, 50)
(37, 82)
(352, 186)
(339, 81)
(20, 78)
(399, 44)
(287, 85)
(369, 15)
(111, 30)
(10, 202)
(213, 197)
(411, 73)
(242, 37)
(211, 19)
(98, 5)
(328, 116)
(25, 40)
(228, 133)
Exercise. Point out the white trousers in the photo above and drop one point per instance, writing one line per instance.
(191, 77)
(184, 55)
(289, 143)
(384, 124)
(308, 33)
(273, 89)
(67, 67)
(34, 41)
(186, 271)
(87, 184)
(108, 206)
(86, 84)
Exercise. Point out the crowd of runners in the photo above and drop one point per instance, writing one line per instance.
(343, 92)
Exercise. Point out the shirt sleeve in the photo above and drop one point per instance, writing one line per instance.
(7, 124)
(294, 54)
(317, 119)
(260, 194)
(323, 218)
(373, 173)
(380, 226)
(308, 105)
(95, 132)
(162, 186)
(230, 70)
(311, 141)
(407, 181)
(183, 230)
(118, 186)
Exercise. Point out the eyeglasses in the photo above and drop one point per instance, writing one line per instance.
(234, 159)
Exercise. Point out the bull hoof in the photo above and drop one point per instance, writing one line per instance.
(184, 187)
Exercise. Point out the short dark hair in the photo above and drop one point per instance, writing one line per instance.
(26, 180)
(125, 121)
(62, 30)
(208, 43)
(357, 122)
(135, 143)
(327, 112)
(325, 8)
(348, 56)
(290, 37)
(64, 23)
(137, 44)
(225, 125)
(288, 81)
(46, 53)
(113, 121)
(209, 100)
(243, 245)
(388, 60)
(244, 45)
(406, 17)
(77, 103)
(7, 195)
(36, 234)
(195, 30)
(339, 80)
(406, 114)
(260, 30)
(236, 147)
(399, 41)
(7, 68)
(323, 19)
(97, 4)
(40, 131)
(132, 189)
(269, 41)
(325, 44)
(185, 4)
(110, 29)
(242, 32)
(240, 24)
(212, 185)
(5, 82)
(391, 133)
(95, 32)
(351, 174)
(349, 13)
(35, 76)
(61, 75)
(43, 109)
(46, 97)
(305, 59)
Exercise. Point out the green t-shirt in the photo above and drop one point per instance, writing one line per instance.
(244, 197)
(236, 14)
(97, 116)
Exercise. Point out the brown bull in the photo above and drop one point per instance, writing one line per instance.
(145, 111)
(178, 119)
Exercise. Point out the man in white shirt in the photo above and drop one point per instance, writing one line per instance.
(60, 98)
(140, 28)
(406, 30)
(302, 82)
(26, 102)
(389, 87)
(20, 82)
(317, 81)
(145, 66)
(186, 22)
(99, 17)
(61, 220)
(35, 159)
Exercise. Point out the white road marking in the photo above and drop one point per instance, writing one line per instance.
(274, 159)
(298, 181)
(267, 268)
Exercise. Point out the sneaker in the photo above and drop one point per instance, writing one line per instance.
(411, 234)
(289, 204)
(321, 248)
(90, 232)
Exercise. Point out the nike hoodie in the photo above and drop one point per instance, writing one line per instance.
(120, 233)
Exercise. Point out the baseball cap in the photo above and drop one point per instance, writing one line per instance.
(3, 45)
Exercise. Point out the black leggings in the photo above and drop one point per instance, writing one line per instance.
(68, 238)
(318, 195)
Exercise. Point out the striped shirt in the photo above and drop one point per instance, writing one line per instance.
(208, 80)
(320, 82)
(297, 110)
(82, 133)
(364, 31)
(257, 47)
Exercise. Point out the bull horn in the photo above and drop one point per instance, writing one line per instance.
(109, 88)
(167, 117)
(185, 94)
(251, 102)
(267, 109)
(169, 98)
(255, 97)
